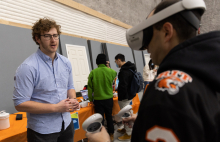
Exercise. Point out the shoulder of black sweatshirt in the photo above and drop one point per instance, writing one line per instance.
(125, 69)
(128, 65)
(183, 100)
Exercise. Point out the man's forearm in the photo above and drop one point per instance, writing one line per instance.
(71, 94)
(36, 107)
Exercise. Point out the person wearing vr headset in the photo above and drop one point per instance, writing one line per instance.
(182, 103)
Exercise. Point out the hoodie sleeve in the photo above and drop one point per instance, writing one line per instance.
(90, 86)
(123, 85)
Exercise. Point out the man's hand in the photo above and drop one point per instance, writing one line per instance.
(127, 120)
(79, 107)
(64, 106)
(101, 136)
(75, 104)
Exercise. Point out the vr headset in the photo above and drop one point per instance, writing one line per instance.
(140, 36)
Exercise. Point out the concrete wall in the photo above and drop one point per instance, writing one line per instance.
(211, 19)
(133, 12)
(130, 12)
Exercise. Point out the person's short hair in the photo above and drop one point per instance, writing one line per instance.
(120, 56)
(101, 59)
(183, 28)
(44, 25)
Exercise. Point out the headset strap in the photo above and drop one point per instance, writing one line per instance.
(191, 18)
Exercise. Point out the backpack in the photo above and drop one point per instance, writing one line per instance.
(136, 83)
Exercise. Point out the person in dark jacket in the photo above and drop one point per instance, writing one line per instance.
(182, 104)
(124, 97)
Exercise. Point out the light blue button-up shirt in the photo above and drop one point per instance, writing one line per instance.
(37, 79)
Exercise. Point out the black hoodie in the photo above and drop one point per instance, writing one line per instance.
(125, 77)
(182, 102)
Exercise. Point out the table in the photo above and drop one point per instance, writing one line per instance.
(18, 131)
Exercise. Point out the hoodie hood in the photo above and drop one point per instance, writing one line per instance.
(128, 65)
(199, 56)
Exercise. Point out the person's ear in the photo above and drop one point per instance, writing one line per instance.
(37, 39)
(168, 31)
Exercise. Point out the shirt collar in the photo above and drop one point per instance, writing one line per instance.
(101, 65)
(45, 57)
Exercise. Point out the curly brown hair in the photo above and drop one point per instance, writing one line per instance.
(44, 25)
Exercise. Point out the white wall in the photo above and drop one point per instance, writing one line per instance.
(72, 21)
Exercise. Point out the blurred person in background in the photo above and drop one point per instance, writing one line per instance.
(100, 84)
(149, 73)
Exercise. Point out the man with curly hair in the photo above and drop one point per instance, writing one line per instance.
(44, 88)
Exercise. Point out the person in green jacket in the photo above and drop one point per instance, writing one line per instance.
(100, 84)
